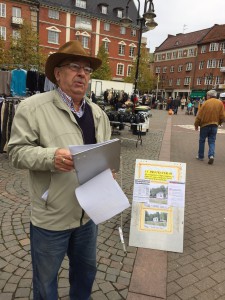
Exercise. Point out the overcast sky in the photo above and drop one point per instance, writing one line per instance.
(178, 16)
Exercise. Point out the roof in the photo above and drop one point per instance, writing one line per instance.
(217, 33)
(182, 40)
(93, 8)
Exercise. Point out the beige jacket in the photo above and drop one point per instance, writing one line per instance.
(42, 124)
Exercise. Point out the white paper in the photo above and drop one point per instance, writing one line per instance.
(176, 194)
(141, 190)
(101, 197)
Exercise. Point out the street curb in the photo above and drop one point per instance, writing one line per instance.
(148, 281)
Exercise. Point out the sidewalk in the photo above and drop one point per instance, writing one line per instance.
(140, 274)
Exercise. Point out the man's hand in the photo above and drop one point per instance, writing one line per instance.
(196, 128)
(63, 160)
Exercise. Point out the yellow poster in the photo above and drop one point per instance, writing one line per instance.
(157, 218)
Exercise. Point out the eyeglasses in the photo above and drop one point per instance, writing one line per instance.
(76, 68)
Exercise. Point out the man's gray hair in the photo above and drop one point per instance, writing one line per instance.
(212, 93)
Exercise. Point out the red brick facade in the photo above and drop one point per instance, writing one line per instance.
(63, 28)
(192, 63)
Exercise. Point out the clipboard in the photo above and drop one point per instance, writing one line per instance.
(98, 158)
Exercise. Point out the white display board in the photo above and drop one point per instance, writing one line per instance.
(157, 218)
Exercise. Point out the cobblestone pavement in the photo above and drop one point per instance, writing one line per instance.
(199, 272)
(114, 265)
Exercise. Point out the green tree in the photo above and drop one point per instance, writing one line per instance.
(146, 80)
(2, 50)
(24, 48)
(104, 72)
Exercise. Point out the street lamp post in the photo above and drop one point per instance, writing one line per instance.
(146, 21)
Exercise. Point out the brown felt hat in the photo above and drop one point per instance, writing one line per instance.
(69, 50)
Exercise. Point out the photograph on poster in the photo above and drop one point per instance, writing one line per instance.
(156, 220)
(158, 194)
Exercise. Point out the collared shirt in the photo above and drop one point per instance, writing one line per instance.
(69, 102)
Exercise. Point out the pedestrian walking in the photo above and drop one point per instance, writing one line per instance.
(43, 127)
(209, 117)
(183, 102)
(196, 106)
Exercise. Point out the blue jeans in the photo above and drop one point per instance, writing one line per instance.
(48, 249)
(209, 132)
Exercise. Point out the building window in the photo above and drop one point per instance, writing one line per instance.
(122, 30)
(180, 68)
(191, 52)
(53, 37)
(106, 46)
(3, 32)
(175, 54)
(222, 46)
(159, 57)
(220, 63)
(171, 69)
(131, 52)
(170, 82)
(201, 65)
(157, 70)
(168, 55)
(133, 32)
(53, 14)
(214, 47)
(178, 81)
(16, 34)
(120, 69)
(189, 67)
(164, 69)
(129, 70)
(81, 3)
(203, 49)
(211, 63)
(187, 80)
(106, 26)
(16, 12)
(84, 42)
(199, 81)
(208, 80)
(119, 13)
(217, 80)
(83, 23)
(180, 53)
(121, 49)
(2, 10)
(104, 9)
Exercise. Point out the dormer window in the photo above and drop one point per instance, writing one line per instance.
(118, 11)
(103, 8)
(81, 3)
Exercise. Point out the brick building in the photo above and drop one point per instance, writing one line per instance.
(92, 22)
(192, 63)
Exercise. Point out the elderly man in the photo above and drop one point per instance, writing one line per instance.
(208, 118)
(43, 127)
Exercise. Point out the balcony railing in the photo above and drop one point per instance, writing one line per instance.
(17, 21)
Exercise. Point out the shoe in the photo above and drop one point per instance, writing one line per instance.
(211, 160)
(199, 158)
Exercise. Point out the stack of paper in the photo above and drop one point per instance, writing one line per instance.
(99, 194)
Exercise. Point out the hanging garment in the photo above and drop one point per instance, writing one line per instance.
(18, 82)
(49, 86)
(41, 82)
(32, 81)
(5, 81)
